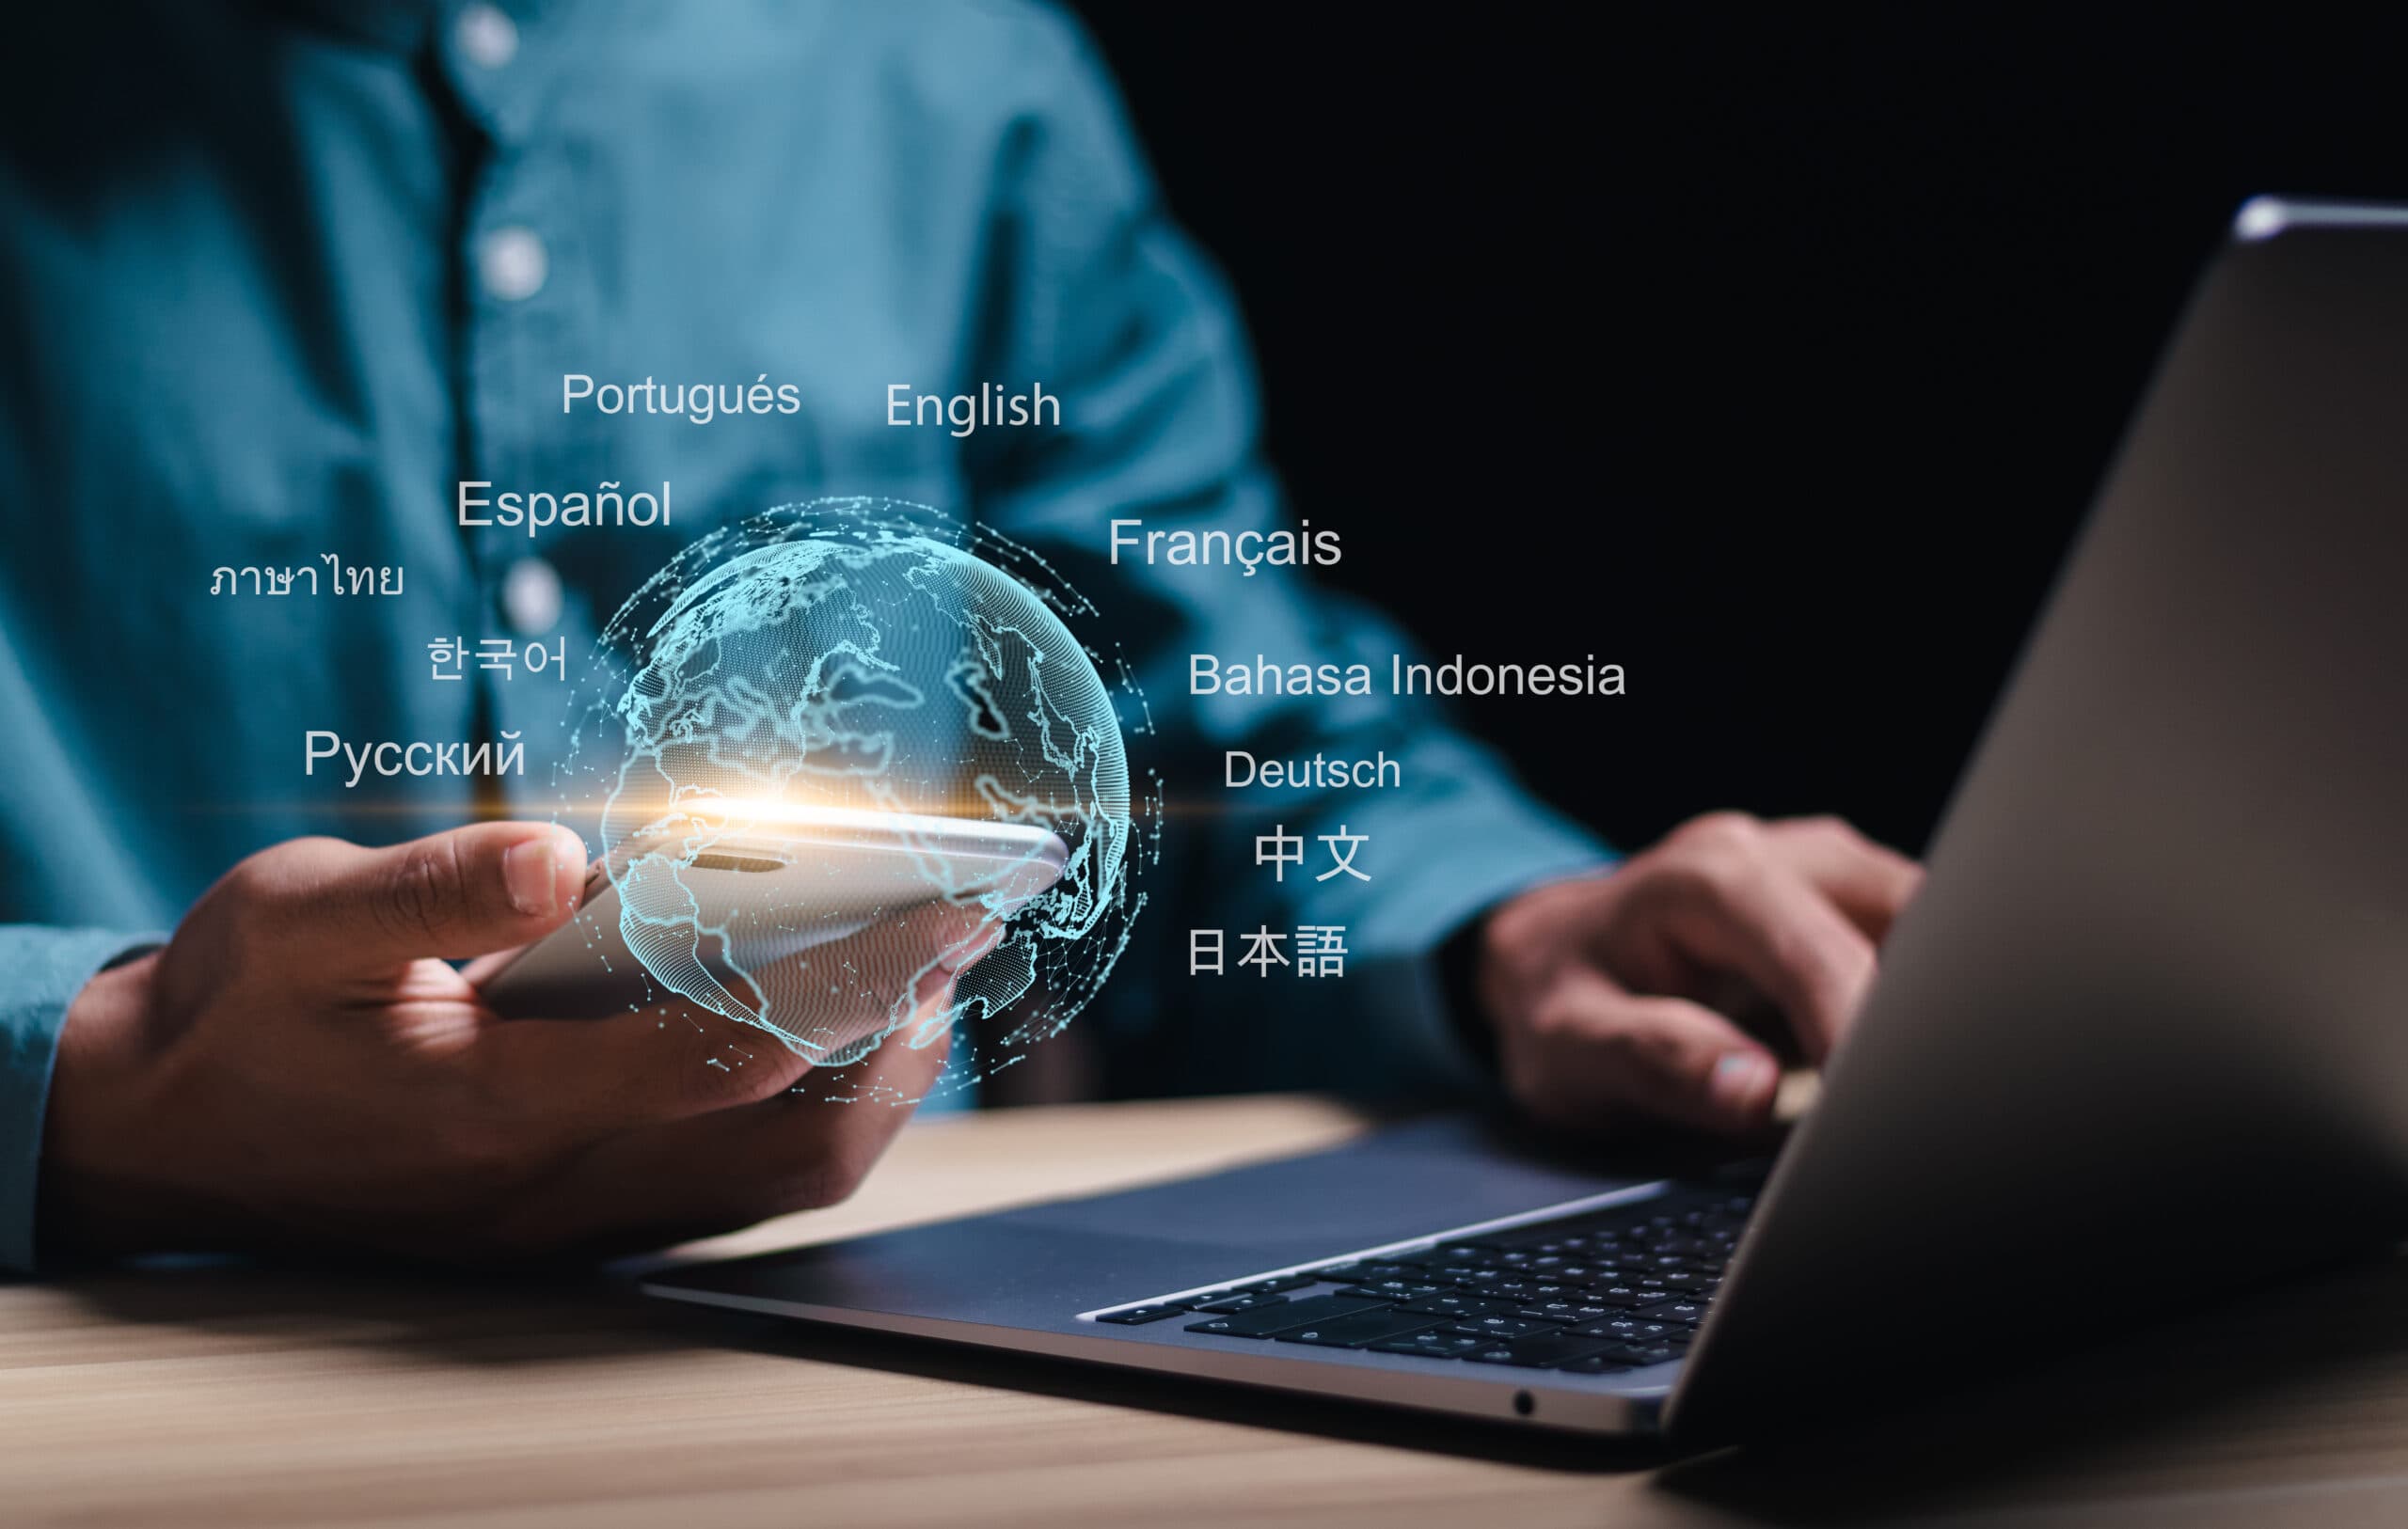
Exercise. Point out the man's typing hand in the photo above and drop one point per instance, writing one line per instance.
(301, 1064)
(1602, 991)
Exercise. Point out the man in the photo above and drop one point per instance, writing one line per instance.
(280, 276)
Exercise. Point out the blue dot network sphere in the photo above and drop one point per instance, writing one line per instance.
(850, 663)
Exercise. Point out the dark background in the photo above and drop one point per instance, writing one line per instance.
(1772, 356)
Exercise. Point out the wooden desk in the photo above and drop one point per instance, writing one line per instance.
(241, 1397)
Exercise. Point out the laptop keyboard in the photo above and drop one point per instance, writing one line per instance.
(1595, 1292)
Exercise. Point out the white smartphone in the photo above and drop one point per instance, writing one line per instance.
(789, 882)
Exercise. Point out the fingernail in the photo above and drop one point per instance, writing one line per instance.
(1743, 1082)
(531, 872)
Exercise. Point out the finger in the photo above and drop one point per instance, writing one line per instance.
(594, 1078)
(1869, 883)
(335, 908)
(798, 1150)
(956, 934)
(1666, 1058)
(1768, 923)
(960, 933)
(906, 1064)
(486, 967)
(676, 1060)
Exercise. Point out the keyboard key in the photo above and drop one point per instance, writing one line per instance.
(1538, 1352)
(1431, 1345)
(1650, 1268)
(1564, 1310)
(1264, 1321)
(1523, 1291)
(1276, 1284)
(1636, 1330)
(1458, 1305)
(1239, 1303)
(1501, 1327)
(1380, 1268)
(1443, 1267)
(1360, 1329)
(1358, 1270)
(1395, 1290)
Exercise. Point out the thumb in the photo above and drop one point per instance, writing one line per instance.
(482, 887)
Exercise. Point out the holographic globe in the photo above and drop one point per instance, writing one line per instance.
(850, 674)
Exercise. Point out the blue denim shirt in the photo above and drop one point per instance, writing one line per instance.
(274, 277)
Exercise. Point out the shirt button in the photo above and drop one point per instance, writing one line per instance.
(487, 35)
(531, 597)
(513, 262)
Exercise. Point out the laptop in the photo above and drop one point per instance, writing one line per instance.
(2141, 1040)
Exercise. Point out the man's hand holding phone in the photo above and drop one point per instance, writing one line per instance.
(301, 1064)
